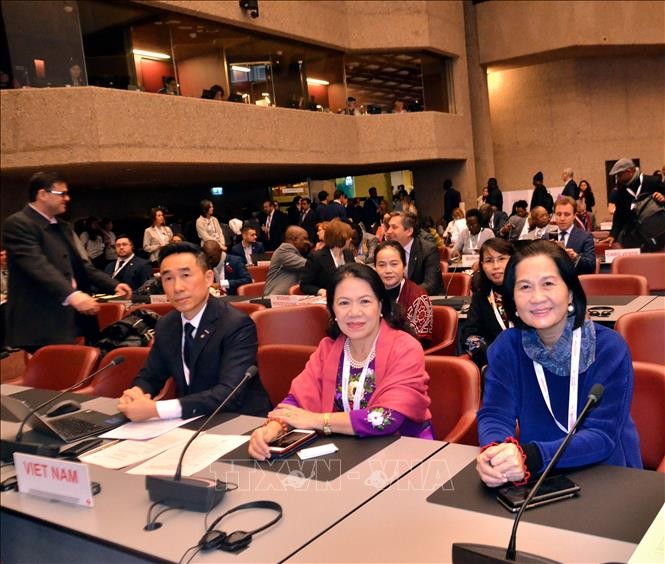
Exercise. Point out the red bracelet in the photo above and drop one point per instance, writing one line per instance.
(527, 473)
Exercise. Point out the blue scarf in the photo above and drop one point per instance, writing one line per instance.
(557, 359)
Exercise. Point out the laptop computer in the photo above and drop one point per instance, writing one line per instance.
(70, 427)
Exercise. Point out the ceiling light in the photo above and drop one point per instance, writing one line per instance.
(317, 81)
(241, 69)
(150, 54)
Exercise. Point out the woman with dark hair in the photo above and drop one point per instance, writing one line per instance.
(495, 196)
(208, 227)
(487, 317)
(157, 235)
(587, 195)
(92, 240)
(540, 374)
(367, 379)
(322, 264)
(390, 264)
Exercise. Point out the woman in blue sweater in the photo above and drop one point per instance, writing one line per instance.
(540, 373)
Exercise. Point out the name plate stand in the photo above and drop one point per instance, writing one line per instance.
(611, 254)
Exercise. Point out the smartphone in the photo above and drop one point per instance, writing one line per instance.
(552, 489)
(291, 442)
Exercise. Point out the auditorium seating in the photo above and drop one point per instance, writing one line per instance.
(444, 266)
(294, 325)
(109, 313)
(650, 265)
(614, 285)
(258, 273)
(56, 367)
(454, 388)
(295, 290)
(254, 289)
(648, 412)
(113, 381)
(456, 284)
(444, 331)
(159, 308)
(644, 331)
(278, 365)
(247, 307)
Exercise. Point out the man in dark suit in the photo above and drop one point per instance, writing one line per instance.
(206, 345)
(248, 247)
(422, 257)
(50, 281)
(308, 219)
(371, 209)
(577, 242)
(336, 208)
(229, 270)
(569, 185)
(273, 226)
(451, 200)
(128, 268)
(492, 218)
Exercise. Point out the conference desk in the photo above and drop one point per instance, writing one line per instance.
(113, 529)
(658, 303)
(401, 525)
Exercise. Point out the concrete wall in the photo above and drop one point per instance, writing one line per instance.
(577, 113)
(510, 30)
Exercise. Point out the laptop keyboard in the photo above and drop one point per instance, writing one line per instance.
(72, 427)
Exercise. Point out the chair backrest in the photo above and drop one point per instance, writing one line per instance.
(444, 331)
(112, 382)
(278, 365)
(454, 388)
(247, 307)
(458, 284)
(295, 290)
(650, 265)
(444, 266)
(614, 285)
(258, 273)
(295, 325)
(253, 289)
(600, 248)
(168, 392)
(648, 409)
(109, 313)
(159, 308)
(644, 331)
(56, 367)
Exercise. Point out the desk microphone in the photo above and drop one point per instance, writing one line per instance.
(448, 285)
(476, 553)
(193, 494)
(10, 447)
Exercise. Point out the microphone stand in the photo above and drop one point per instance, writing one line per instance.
(193, 494)
(470, 553)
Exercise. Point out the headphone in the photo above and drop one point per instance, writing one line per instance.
(600, 311)
(238, 540)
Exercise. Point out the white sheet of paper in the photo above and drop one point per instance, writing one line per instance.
(127, 453)
(202, 452)
(652, 546)
(143, 430)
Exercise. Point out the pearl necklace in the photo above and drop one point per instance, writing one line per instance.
(355, 363)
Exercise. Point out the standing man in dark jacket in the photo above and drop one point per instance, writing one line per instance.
(451, 200)
(50, 281)
(569, 185)
(494, 196)
(541, 197)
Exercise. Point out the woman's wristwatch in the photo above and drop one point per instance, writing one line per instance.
(327, 429)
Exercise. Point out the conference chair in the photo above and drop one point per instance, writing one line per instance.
(600, 248)
(291, 325)
(647, 411)
(454, 388)
(115, 380)
(56, 367)
(444, 266)
(247, 307)
(644, 332)
(254, 289)
(650, 265)
(159, 308)
(279, 365)
(295, 290)
(258, 273)
(614, 285)
(109, 313)
(444, 331)
(456, 284)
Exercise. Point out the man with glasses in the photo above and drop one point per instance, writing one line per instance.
(50, 280)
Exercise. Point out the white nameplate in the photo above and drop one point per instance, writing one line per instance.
(49, 478)
(158, 299)
(611, 254)
(313, 452)
(262, 263)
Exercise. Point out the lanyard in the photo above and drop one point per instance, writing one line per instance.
(346, 374)
(635, 195)
(124, 264)
(572, 391)
(497, 313)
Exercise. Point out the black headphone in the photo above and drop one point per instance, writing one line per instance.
(238, 540)
(600, 311)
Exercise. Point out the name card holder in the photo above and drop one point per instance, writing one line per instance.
(611, 254)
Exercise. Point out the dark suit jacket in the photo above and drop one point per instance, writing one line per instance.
(581, 242)
(332, 210)
(571, 189)
(41, 272)
(451, 200)
(425, 266)
(624, 219)
(319, 270)
(225, 347)
(309, 225)
(235, 272)
(238, 251)
(500, 219)
(134, 273)
(278, 226)
(495, 198)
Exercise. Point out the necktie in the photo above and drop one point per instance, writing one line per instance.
(118, 267)
(562, 236)
(189, 343)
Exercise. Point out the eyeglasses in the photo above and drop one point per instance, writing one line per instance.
(62, 193)
(497, 260)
